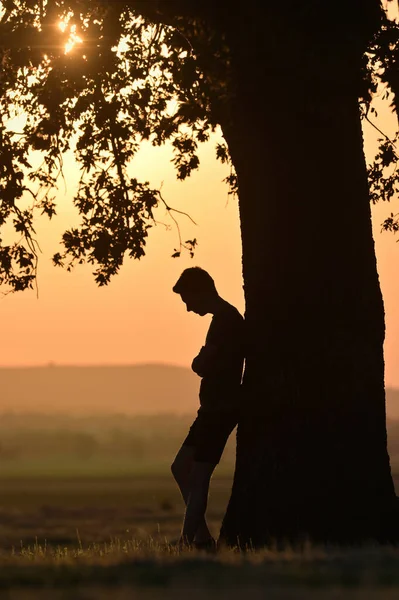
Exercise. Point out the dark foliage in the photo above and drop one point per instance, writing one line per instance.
(383, 71)
(124, 80)
(134, 71)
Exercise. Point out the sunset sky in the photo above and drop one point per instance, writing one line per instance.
(137, 318)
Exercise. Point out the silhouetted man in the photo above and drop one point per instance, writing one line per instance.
(219, 364)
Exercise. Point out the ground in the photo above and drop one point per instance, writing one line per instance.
(88, 509)
(88, 538)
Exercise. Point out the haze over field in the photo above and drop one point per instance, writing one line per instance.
(129, 389)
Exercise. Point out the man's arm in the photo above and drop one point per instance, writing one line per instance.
(203, 362)
(226, 342)
(212, 359)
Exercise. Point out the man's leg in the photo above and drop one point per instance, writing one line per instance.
(181, 470)
(198, 486)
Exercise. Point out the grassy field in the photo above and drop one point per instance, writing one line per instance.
(90, 537)
(60, 510)
(87, 511)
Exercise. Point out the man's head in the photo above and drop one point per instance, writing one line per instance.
(197, 290)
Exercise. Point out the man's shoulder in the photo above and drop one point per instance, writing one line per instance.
(228, 314)
(232, 312)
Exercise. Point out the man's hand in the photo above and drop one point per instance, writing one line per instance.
(197, 364)
(204, 361)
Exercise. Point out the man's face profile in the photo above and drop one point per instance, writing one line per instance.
(195, 302)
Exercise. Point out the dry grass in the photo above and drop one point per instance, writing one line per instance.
(101, 538)
(148, 568)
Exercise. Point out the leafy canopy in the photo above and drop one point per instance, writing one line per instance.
(97, 78)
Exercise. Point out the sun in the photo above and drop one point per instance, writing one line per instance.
(73, 39)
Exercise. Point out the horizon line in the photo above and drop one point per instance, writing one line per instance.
(53, 364)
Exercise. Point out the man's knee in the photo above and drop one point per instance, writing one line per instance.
(174, 467)
(181, 466)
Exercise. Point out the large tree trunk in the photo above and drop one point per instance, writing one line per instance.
(312, 455)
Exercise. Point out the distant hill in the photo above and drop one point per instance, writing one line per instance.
(392, 396)
(131, 389)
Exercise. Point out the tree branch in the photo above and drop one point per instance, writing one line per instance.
(180, 212)
(189, 244)
(169, 11)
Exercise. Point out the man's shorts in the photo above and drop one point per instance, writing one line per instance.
(209, 434)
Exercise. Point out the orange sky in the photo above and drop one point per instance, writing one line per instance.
(137, 318)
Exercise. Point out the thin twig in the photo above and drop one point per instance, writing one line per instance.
(378, 129)
(170, 209)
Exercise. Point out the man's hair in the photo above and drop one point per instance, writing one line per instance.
(194, 280)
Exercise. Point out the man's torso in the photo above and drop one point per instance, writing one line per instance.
(219, 390)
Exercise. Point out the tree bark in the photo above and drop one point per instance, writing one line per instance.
(312, 455)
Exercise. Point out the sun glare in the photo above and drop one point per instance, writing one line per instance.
(73, 37)
(71, 43)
